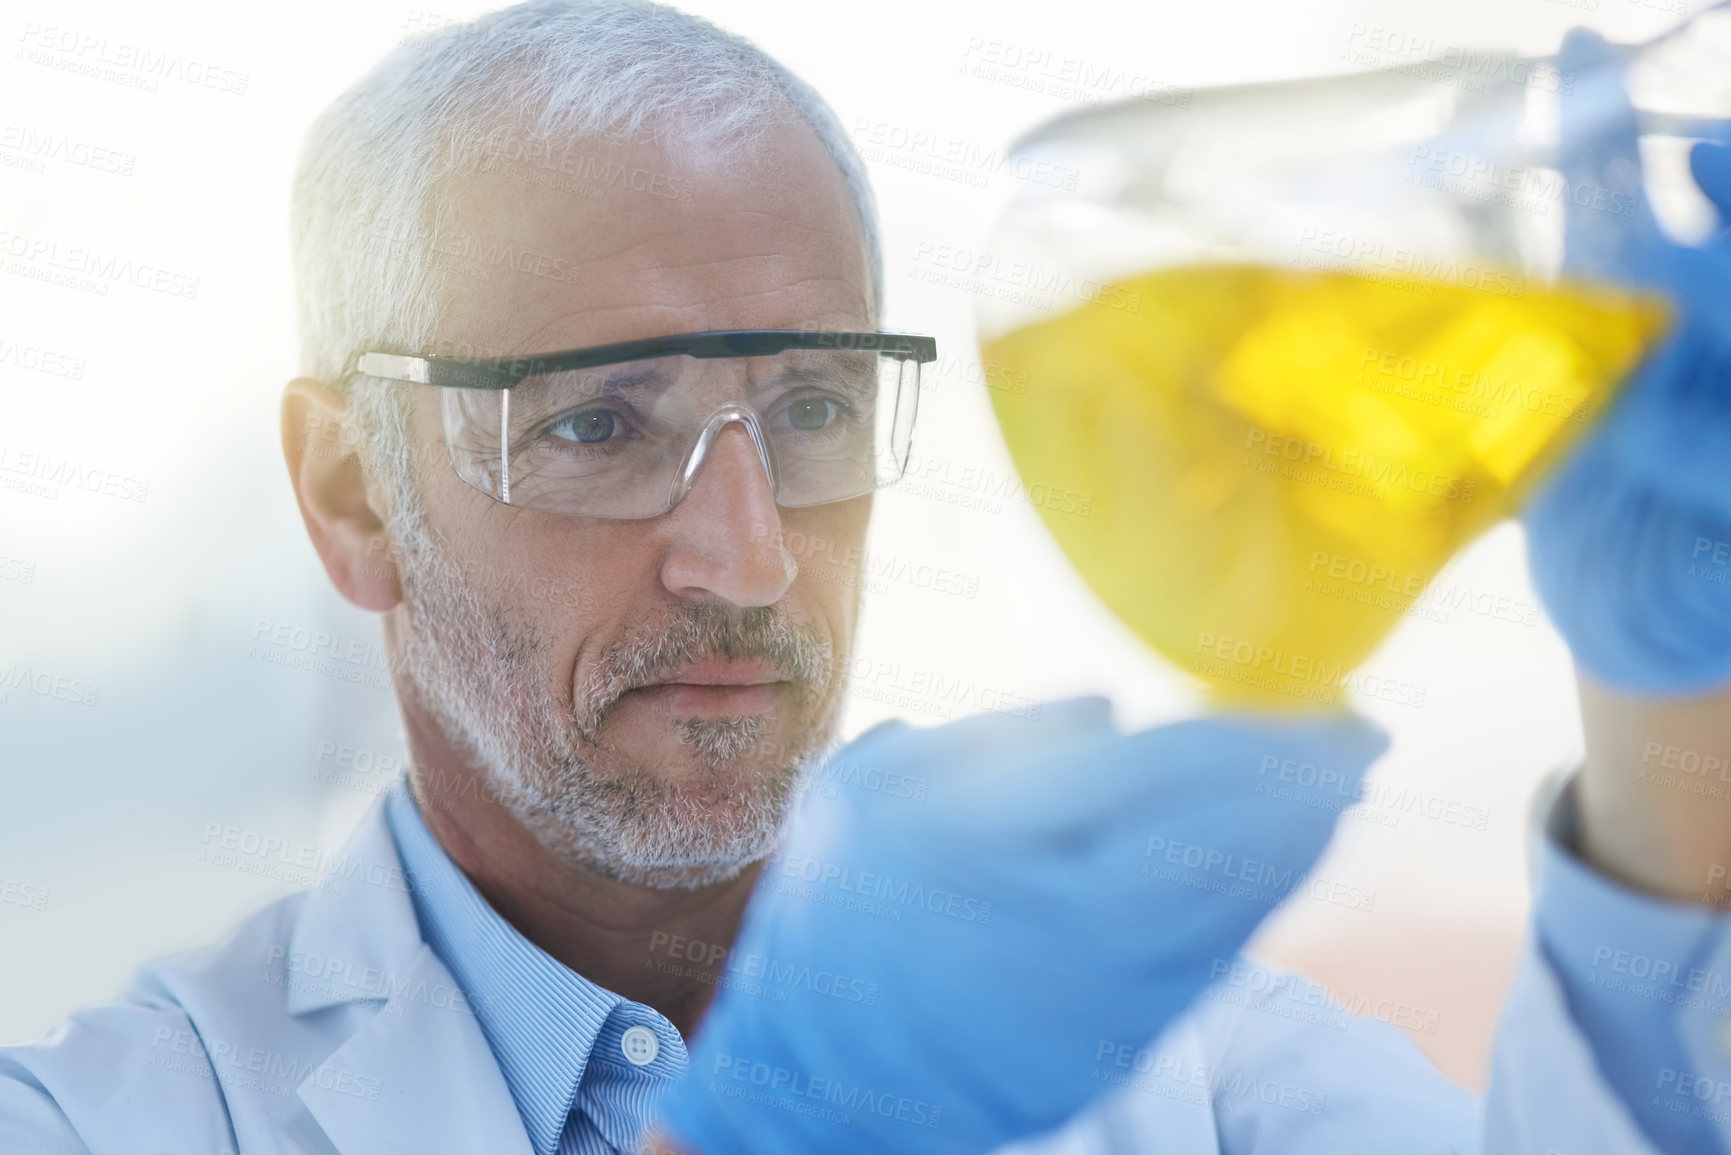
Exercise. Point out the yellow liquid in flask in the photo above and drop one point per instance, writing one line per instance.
(1274, 464)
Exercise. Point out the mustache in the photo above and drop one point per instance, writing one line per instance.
(697, 632)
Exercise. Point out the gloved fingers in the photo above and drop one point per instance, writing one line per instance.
(1069, 797)
(908, 782)
(1130, 837)
(1670, 552)
(1598, 156)
(1627, 570)
(1709, 267)
(1701, 277)
(1673, 428)
(1073, 903)
(1207, 866)
(983, 737)
(1226, 763)
(1710, 164)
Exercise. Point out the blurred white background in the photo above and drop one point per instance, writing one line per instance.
(149, 692)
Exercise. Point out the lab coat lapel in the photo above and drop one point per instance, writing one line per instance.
(419, 1076)
(357, 933)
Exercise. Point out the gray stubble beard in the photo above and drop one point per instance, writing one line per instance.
(484, 679)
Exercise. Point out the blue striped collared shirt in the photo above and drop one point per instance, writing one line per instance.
(561, 1041)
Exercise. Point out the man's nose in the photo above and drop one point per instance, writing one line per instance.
(726, 542)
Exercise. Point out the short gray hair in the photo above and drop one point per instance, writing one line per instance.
(367, 205)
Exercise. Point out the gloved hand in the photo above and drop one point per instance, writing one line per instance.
(1629, 540)
(953, 963)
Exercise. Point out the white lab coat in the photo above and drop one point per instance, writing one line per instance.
(325, 1024)
(1379, 1095)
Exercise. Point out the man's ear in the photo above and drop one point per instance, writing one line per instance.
(322, 449)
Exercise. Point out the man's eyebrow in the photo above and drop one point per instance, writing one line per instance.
(605, 380)
(857, 381)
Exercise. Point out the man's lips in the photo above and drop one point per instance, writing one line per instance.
(717, 688)
(714, 672)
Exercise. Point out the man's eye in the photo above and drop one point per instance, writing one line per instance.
(809, 413)
(588, 426)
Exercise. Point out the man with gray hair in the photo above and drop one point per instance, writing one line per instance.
(608, 713)
(616, 676)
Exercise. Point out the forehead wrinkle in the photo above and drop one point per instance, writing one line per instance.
(650, 275)
(770, 273)
(852, 302)
(640, 247)
(809, 285)
(783, 250)
(544, 336)
(474, 201)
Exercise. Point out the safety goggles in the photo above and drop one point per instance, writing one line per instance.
(621, 430)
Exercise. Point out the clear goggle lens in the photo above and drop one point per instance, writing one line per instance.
(627, 440)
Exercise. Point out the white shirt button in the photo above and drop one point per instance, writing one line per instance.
(640, 1046)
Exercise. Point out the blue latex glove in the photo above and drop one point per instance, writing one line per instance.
(953, 964)
(1630, 539)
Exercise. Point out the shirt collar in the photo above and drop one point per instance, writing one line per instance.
(541, 1018)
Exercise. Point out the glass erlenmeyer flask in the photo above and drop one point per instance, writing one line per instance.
(1299, 342)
